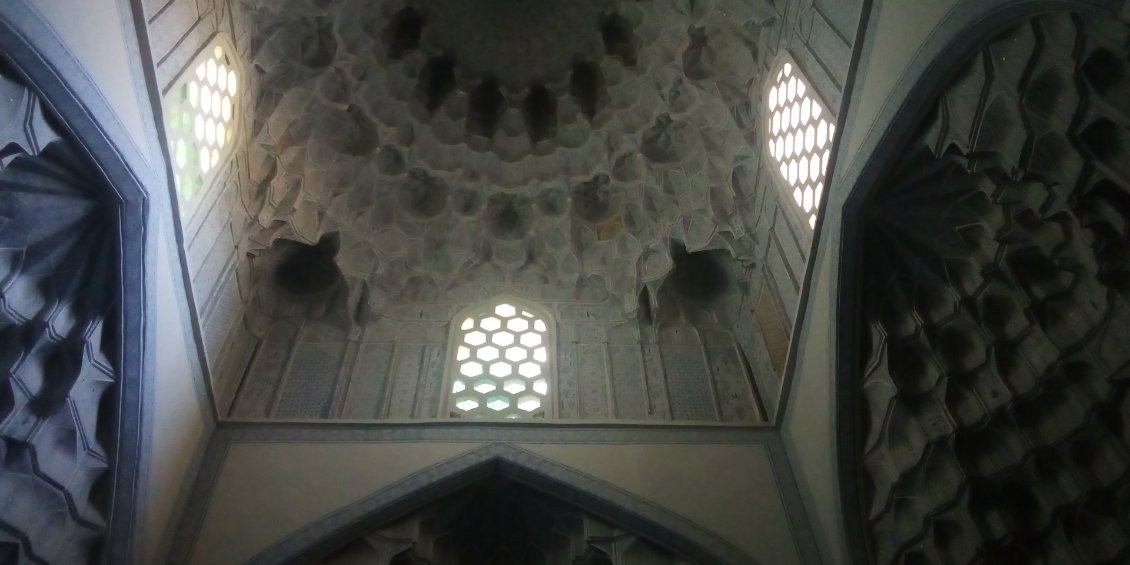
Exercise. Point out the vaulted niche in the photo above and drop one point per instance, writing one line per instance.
(993, 394)
(617, 172)
(501, 522)
(690, 331)
(62, 314)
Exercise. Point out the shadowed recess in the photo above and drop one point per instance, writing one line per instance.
(307, 269)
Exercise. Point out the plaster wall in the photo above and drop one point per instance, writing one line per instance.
(100, 36)
(730, 490)
(895, 35)
(182, 421)
(809, 417)
(821, 37)
(268, 490)
(264, 492)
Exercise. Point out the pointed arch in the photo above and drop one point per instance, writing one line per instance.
(958, 38)
(643, 517)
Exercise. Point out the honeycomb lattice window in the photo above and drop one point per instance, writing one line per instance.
(501, 362)
(200, 115)
(800, 138)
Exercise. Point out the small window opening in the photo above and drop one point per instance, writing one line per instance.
(200, 115)
(800, 138)
(501, 362)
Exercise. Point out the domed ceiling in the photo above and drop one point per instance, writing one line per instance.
(523, 142)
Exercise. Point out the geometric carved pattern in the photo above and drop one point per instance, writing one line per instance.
(201, 119)
(995, 425)
(801, 141)
(444, 156)
(58, 339)
(501, 367)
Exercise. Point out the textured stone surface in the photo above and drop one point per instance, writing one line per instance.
(59, 340)
(994, 417)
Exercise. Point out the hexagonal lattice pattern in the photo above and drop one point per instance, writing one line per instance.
(800, 138)
(200, 120)
(501, 364)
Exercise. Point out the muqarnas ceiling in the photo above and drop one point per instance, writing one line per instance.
(60, 337)
(537, 143)
(994, 422)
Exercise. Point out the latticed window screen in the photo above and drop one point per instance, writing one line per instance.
(200, 114)
(800, 138)
(501, 363)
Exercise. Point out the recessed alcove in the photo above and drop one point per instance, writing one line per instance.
(499, 521)
(996, 322)
(401, 167)
(612, 171)
(273, 346)
(306, 270)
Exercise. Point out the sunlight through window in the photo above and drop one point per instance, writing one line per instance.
(200, 119)
(501, 363)
(800, 138)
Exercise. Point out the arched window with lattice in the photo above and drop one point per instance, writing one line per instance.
(800, 136)
(501, 362)
(200, 117)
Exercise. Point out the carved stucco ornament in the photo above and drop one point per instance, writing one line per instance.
(995, 415)
(59, 338)
(443, 156)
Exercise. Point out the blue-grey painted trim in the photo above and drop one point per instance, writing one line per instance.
(822, 236)
(166, 215)
(49, 67)
(818, 232)
(513, 432)
(957, 37)
(187, 529)
(188, 307)
(804, 539)
(431, 483)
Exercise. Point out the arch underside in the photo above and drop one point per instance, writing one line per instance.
(994, 416)
(62, 328)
